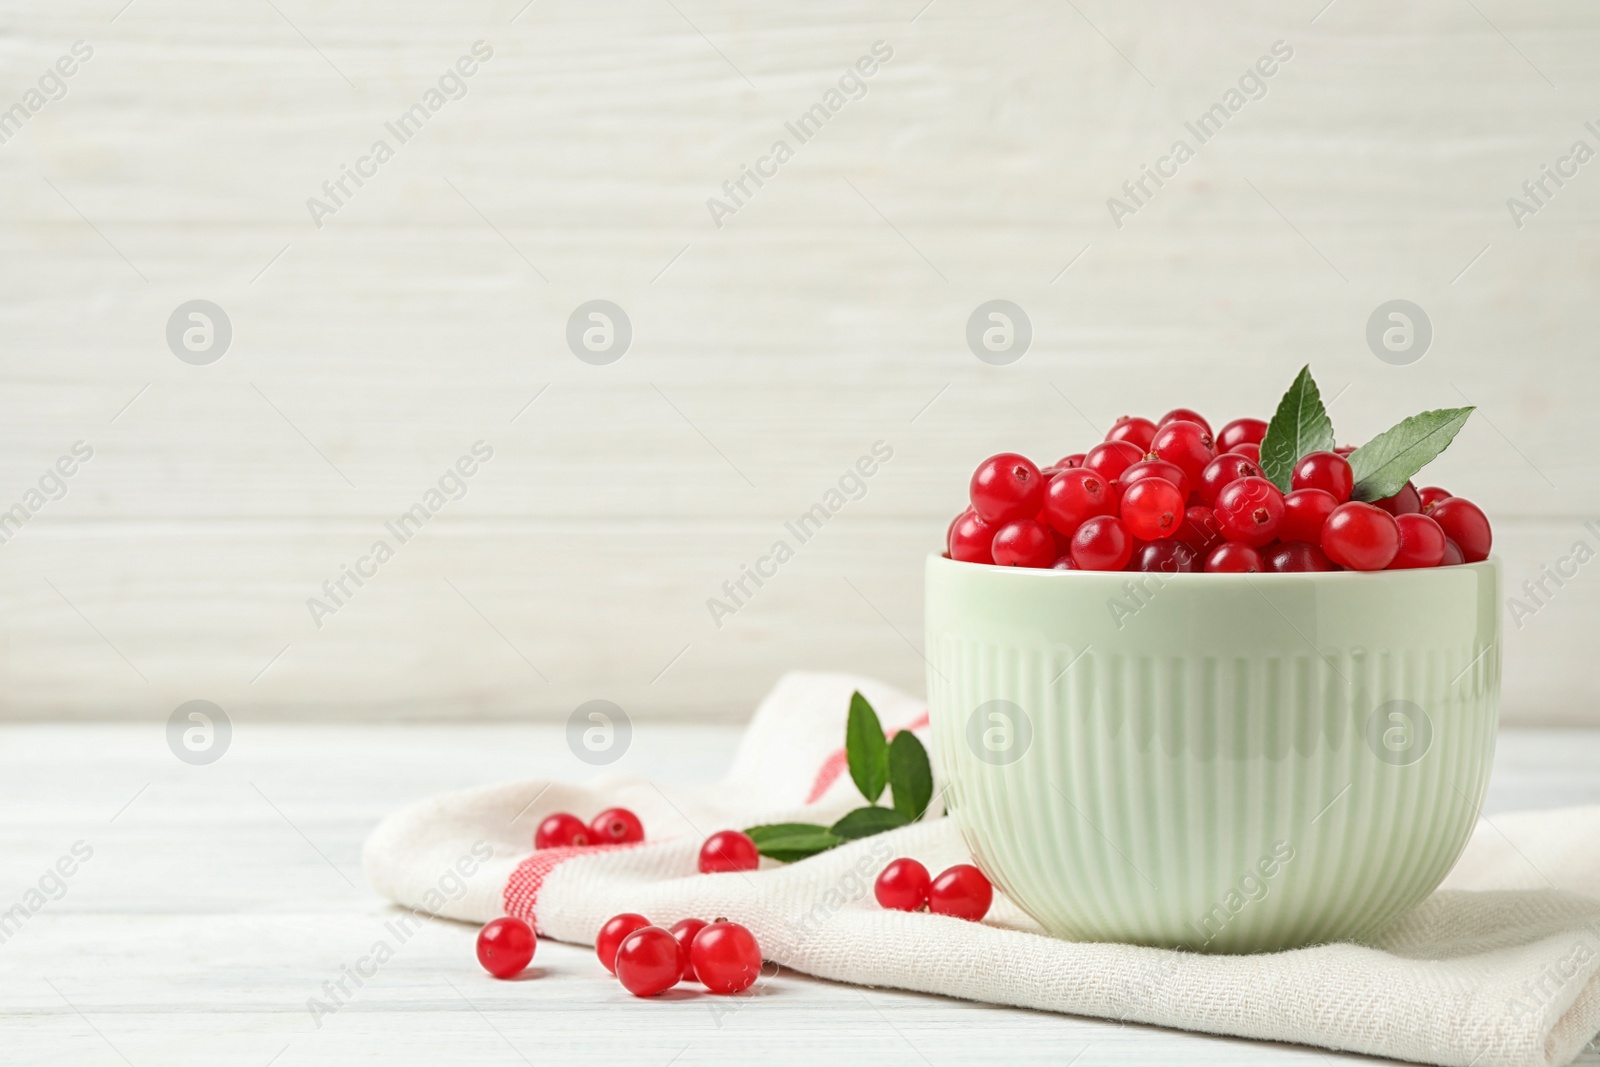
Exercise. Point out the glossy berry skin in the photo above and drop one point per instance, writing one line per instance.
(1185, 415)
(1064, 563)
(971, 539)
(728, 850)
(1168, 556)
(1231, 557)
(649, 961)
(1110, 458)
(1155, 468)
(1249, 452)
(1304, 512)
(505, 946)
(1327, 471)
(1224, 469)
(562, 830)
(616, 826)
(1075, 495)
(961, 891)
(1200, 530)
(726, 958)
(1360, 536)
(1006, 487)
(1466, 525)
(1024, 543)
(1249, 511)
(903, 886)
(1421, 543)
(1066, 463)
(1134, 430)
(1102, 544)
(1152, 509)
(1186, 443)
(1452, 554)
(1241, 432)
(1406, 502)
(1430, 495)
(1292, 557)
(612, 934)
(684, 930)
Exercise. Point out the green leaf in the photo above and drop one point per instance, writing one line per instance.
(798, 846)
(1299, 427)
(1384, 464)
(910, 777)
(768, 831)
(865, 749)
(864, 822)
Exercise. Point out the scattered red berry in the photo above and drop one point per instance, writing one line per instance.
(1006, 487)
(1249, 510)
(1186, 443)
(1406, 502)
(649, 961)
(1167, 556)
(1102, 544)
(612, 934)
(1152, 509)
(562, 830)
(728, 850)
(1304, 512)
(684, 930)
(505, 946)
(961, 891)
(1134, 430)
(1221, 472)
(1231, 557)
(726, 957)
(1289, 557)
(616, 826)
(1024, 543)
(1360, 536)
(903, 886)
(1185, 415)
(1466, 525)
(1074, 495)
(1241, 432)
(1327, 471)
(1421, 542)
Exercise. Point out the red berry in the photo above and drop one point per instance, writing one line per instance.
(1064, 563)
(1304, 512)
(971, 539)
(1360, 536)
(903, 886)
(1024, 543)
(1249, 510)
(1006, 487)
(1220, 472)
(1406, 502)
(1066, 463)
(1431, 495)
(1152, 509)
(684, 930)
(726, 957)
(612, 934)
(961, 891)
(1134, 430)
(728, 850)
(1249, 452)
(1075, 495)
(1155, 468)
(505, 946)
(1184, 414)
(649, 961)
(1110, 458)
(1199, 530)
(1102, 544)
(616, 826)
(1288, 557)
(1231, 557)
(1421, 542)
(1327, 471)
(1241, 432)
(1452, 554)
(1466, 525)
(561, 830)
(1167, 556)
(1186, 443)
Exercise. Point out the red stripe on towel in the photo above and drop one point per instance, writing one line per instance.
(521, 894)
(835, 764)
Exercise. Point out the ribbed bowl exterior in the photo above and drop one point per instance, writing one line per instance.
(1224, 763)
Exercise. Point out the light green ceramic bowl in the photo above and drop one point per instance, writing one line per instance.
(1219, 762)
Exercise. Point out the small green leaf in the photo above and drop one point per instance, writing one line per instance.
(1299, 427)
(798, 846)
(864, 822)
(1384, 464)
(768, 831)
(865, 749)
(910, 777)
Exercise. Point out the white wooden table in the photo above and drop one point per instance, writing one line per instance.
(219, 899)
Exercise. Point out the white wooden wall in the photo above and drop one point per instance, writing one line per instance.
(768, 354)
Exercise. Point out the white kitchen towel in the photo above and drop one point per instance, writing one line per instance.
(1501, 966)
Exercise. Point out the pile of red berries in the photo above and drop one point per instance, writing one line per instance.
(1168, 496)
(721, 955)
(614, 826)
(961, 891)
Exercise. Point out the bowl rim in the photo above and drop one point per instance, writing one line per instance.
(942, 559)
